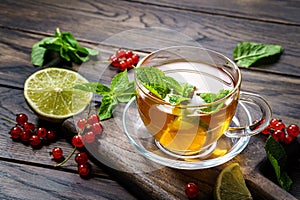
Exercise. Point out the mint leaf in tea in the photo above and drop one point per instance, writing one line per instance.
(163, 86)
(212, 97)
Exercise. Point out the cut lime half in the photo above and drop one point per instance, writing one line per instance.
(50, 93)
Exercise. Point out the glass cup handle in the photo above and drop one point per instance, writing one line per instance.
(257, 127)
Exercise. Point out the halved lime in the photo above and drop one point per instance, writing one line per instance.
(50, 93)
(231, 184)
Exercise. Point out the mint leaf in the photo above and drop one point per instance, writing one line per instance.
(162, 86)
(127, 94)
(95, 87)
(107, 107)
(212, 97)
(187, 90)
(38, 52)
(277, 157)
(176, 99)
(121, 90)
(247, 53)
(63, 43)
(153, 79)
(119, 81)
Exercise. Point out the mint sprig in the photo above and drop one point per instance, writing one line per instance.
(277, 157)
(65, 45)
(120, 90)
(212, 97)
(164, 87)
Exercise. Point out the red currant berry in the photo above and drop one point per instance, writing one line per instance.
(293, 130)
(123, 65)
(84, 169)
(21, 119)
(77, 141)
(112, 57)
(267, 130)
(93, 118)
(191, 190)
(273, 122)
(278, 135)
(279, 126)
(25, 136)
(128, 54)
(27, 126)
(89, 137)
(120, 53)
(288, 139)
(15, 132)
(51, 135)
(41, 132)
(35, 140)
(135, 59)
(81, 124)
(81, 158)
(57, 153)
(97, 128)
(129, 63)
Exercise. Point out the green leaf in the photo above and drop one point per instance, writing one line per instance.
(95, 87)
(161, 85)
(69, 38)
(212, 97)
(247, 53)
(107, 107)
(173, 85)
(188, 90)
(176, 99)
(277, 157)
(64, 54)
(38, 52)
(127, 94)
(65, 44)
(121, 87)
(119, 81)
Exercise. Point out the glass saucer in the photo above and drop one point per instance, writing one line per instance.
(226, 148)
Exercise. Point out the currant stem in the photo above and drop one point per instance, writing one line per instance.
(67, 158)
(9, 120)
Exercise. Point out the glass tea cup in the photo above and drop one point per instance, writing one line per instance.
(193, 126)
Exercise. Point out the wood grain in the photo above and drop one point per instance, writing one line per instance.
(215, 32)
(26, 182)
(254, 10)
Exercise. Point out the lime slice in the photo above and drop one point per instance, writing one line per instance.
(231, 184)
(50, 93)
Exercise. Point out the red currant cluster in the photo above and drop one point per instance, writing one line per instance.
(26, 132)
(90, 129)
(124, 59)
(280, 132)
(191, 190)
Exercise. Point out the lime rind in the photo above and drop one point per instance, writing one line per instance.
(50, 93)
(231, 184)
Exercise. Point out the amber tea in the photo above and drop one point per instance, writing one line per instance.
(193, 124)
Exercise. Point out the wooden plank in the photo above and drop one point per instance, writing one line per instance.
(19, 181)
(287, 12)
(111, 18)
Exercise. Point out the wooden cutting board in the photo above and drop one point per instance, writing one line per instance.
(149, 180)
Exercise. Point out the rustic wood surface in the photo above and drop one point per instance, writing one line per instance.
(28, 173)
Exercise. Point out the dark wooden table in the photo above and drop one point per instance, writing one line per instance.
(27, 173)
